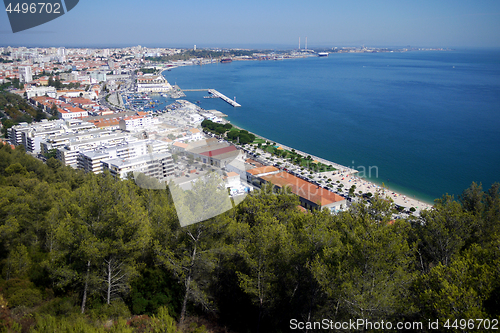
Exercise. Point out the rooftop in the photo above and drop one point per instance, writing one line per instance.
(263, 169)
(303, 188)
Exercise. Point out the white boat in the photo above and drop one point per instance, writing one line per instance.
(322, 54)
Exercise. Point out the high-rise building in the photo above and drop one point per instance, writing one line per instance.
(61, 54)
(25, 74)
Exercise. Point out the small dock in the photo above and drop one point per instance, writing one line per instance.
(223, 97)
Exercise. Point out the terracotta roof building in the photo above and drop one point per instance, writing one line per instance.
(311, 196)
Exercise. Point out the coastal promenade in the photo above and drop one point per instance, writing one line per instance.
(345, 176)
(339, 167)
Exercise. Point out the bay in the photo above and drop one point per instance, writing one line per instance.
(424, 123)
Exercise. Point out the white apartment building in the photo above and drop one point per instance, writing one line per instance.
(58, 141)
(91, 161)
(68, 154)
(137, 123)
(72, 113)
(32, 135)
(159, 166)
(41, 91)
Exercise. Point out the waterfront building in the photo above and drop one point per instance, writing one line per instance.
(213, 152)
(311, 196)
(240, 166)
(152, 83)
(253, 176)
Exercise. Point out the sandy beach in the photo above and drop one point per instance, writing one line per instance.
(345, 176)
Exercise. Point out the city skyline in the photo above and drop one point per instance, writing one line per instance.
(262, 24)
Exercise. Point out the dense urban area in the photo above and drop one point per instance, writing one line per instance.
(248, 236)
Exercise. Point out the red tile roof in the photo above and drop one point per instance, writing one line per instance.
(263, 169)
(105, 122)
(219, 151)
(181, 145)
(303, 188)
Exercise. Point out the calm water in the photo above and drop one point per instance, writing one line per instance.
(428, 121)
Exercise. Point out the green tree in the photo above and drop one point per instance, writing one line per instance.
(190, 253)
(351, 190)
(268, 243)
(18, 263)
(366, 269)
(54, 110)
(457, 290)
(111, 231)
(442, 232)
(472, 199)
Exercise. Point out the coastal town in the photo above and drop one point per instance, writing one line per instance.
(111, 110)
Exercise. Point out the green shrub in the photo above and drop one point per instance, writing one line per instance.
(112, 311)
(27, 297)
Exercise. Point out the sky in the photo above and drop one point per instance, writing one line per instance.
(271, 24)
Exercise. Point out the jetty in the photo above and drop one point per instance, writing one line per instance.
(215, 94)
(223, 97)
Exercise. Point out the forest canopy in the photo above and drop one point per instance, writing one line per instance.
(84, 252)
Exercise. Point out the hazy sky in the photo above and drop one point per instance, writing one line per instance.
(270, 23)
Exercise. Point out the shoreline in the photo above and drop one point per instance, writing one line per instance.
(347, 176)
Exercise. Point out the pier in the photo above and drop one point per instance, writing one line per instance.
(223, 97)
(216, 94)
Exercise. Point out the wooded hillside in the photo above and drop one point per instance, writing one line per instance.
(90, 253)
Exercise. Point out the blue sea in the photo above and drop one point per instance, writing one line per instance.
(425, 123)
